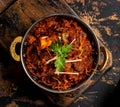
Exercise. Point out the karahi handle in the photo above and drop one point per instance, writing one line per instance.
(105, 59)
(13, 45)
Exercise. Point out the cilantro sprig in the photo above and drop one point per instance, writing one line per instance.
(61, 52)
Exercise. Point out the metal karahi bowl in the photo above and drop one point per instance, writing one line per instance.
(91, 36)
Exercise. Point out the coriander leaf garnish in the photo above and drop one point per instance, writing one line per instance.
(61, 52)
(59, 63)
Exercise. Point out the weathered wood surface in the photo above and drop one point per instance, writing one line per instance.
(4, 4)
(102, 16)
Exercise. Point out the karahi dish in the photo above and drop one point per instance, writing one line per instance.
(59, 52)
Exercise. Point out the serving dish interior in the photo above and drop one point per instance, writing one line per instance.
(60, 52)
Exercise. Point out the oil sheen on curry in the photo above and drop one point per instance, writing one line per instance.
(58, 53)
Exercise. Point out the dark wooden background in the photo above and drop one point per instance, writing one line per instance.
(16, 16)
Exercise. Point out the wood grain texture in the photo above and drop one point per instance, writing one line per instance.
(4, 4)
